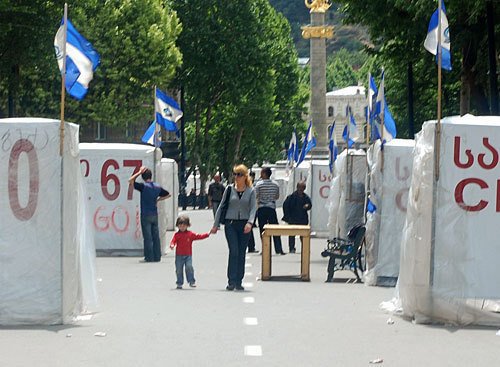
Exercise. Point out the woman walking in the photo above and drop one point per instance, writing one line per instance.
(238, 220)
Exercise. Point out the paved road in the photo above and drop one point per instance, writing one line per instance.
(149, 323)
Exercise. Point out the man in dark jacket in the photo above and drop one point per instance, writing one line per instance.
(295, 210)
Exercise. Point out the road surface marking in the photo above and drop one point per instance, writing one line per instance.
(248, 299)
(253, 350)
(251, 321)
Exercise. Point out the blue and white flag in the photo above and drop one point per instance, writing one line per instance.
(389, 124)
(350, 132)
(431, 41)
(293, 151)
(81, 60)
(167, 111)
(372, 91)
(149, 135)
(370, 207)
(332, 147)
(309, 143)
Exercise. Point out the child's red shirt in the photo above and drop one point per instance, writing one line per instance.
(184, 241)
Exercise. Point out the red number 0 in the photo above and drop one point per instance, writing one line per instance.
(105, 178)
(23, 145)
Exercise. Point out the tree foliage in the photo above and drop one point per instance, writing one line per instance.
(136, 43)
(398, 29)
(241, 81)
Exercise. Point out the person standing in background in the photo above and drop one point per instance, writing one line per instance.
(251, 240)
(267, 192)
(215, 191)
(151, 194)
(295, 209)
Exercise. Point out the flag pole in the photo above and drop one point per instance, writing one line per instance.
(63, 89)
(438, 127)
(382, 114)
(154, 135)
(368, 115)
(347, 142)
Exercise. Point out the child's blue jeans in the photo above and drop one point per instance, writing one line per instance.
(186, 261)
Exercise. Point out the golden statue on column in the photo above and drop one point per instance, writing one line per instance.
(319, 6)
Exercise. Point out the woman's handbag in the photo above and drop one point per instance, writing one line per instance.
(224, 204)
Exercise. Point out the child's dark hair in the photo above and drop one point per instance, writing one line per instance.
(146, 175)
(183, 219)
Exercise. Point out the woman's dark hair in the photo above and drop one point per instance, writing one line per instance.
(146, 175)
(183, 219)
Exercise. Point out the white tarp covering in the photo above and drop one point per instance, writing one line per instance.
(44, 258)
(449, 252)
(168, 178)
(114, 204)
(320, 189)
(347, 191)
(389, 193)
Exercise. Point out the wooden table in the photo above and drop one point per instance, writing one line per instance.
(286, 230)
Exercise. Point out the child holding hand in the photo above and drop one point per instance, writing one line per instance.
(183, 239)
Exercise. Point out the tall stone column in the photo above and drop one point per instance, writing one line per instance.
(317, 32)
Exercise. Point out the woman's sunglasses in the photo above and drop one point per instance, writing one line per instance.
(238, 174)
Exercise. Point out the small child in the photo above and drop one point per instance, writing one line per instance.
(183, 254)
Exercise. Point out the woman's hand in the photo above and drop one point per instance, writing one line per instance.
(248, 228)
(213, 230)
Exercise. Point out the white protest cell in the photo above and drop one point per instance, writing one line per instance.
(389, 193)
(40, 277)
(113, 203)
(320, 190)
(449, 255)
(345, 202)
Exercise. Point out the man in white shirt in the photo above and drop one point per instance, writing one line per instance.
(268, 192)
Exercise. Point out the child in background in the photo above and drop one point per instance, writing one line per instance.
(183, 239)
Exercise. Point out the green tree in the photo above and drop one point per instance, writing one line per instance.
(136, 43)
(399, 28)
(241, 78)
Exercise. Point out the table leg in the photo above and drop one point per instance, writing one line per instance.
(266, 257)
(305, 258)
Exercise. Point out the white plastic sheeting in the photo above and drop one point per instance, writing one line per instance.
(168, 178)
(347, 192)
(44, 258)
(320, 189)
(114, 204)
(449, 253)
(389, 193)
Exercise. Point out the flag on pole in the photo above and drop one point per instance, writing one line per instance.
(309, 143)
(370, 207)
(149, 136)
(332, 147)
(81, 60)
(293, 151)
(432, 39)
(167, 111)
(350, 132)
(389, 124)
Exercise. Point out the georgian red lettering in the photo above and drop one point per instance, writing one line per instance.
(400, 202)
(456, 156)
(399, 176)
(459, 192)
(324, 191)
(494, 153)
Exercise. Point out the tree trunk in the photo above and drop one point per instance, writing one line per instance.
(237, 146)
(469, 55)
